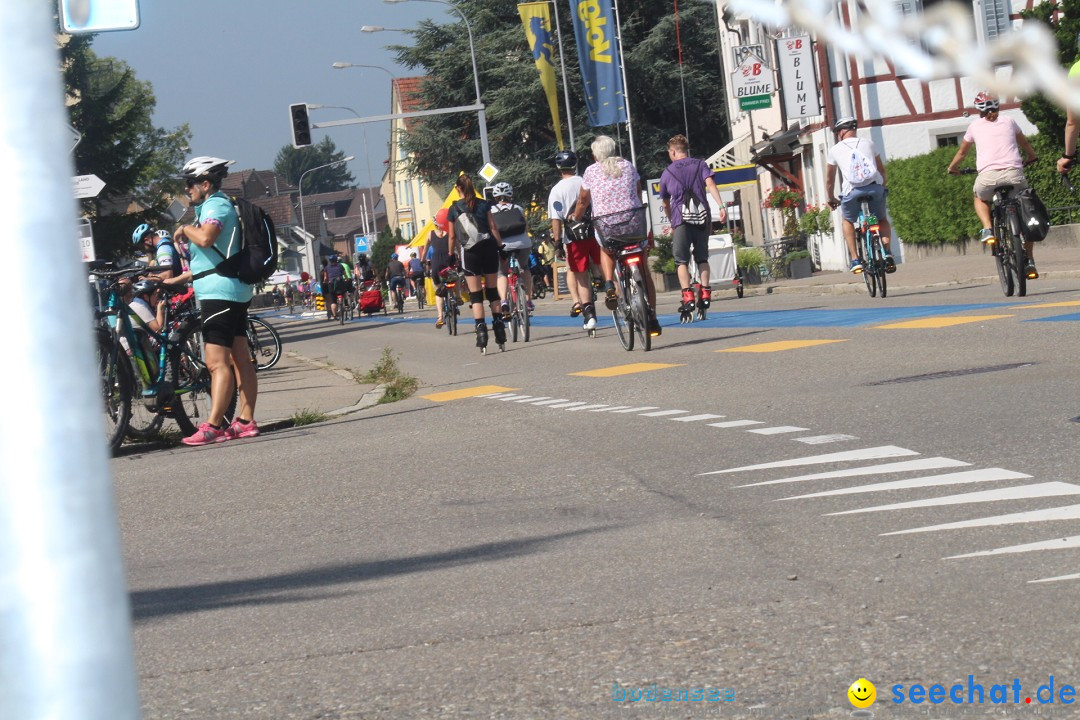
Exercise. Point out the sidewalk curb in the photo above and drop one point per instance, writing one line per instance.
(368, 399)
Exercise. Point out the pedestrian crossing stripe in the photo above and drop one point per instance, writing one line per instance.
(1074, 576)
(778, 346)
(938, 322)
(956, 478)
(1067, 512)
(468, 393)
(1022, 492)
(626, 369)
(1065, 543)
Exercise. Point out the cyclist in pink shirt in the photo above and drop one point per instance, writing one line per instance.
(998, 142)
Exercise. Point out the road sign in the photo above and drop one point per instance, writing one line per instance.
(86, 186)
(752, 77)
(361, 243)
(86, 240)
(76, 138)
(755, 102)
(488, 172)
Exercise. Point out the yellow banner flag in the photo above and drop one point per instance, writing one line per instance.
(536, 17)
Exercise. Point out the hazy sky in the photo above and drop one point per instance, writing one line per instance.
(230, 69)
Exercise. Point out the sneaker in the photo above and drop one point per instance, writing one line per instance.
(890, 264)
(706, 296)
(481, 335)
(654, 325)
(1030, 270)
(856, 266)
(986, 235)
(688, 300)
(242, 430)
(207, 434)
(529, 305)
(611, 298)
(500, 332)
(575, 310)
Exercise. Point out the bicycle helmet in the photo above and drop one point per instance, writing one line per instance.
(164, 235)
(145, 286)
(566, 160)
(502, 189)
(393, 256)
(137, 236)
(205, 167)
(440, 217)
(986, 102)
(845, 123)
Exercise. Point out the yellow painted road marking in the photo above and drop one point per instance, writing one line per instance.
(1069, 303)
(626, 369)
(938, 322)
(467, 392)
(779, 345)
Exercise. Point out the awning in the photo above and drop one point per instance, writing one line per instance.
(731, 177)
(783, 144)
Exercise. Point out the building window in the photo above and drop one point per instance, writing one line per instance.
(419, 192)
(948, 140)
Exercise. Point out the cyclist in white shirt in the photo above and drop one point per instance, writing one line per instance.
(863, 174)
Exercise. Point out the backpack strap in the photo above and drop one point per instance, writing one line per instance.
(211, 271)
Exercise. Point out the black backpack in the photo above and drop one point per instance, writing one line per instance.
(1034, 220)
(257, 258)
(509, 221)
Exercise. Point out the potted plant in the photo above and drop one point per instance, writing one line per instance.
(786, 200)
(750, 259)
(798, 264)
(663, 263)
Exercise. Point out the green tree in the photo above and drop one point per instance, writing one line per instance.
(120, 144)
(291, 163)
(521, 138)
(1063, 19)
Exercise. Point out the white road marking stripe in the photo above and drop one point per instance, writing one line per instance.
(535, 399)
(736, 423)
(874, 453)
(1066, 512)
(933, 463)
(517, 398)
(588, 407)
(1065, 543)
(549, 402)
(495, 396)
(957, 478)
(1074, 576)
(1021, 492)
(662, 413)
(696, 418)
(823, 439)
(635, 409)
(569, 404)
(778, 430)
(613, 408)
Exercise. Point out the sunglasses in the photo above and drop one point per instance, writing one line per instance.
(193, 183)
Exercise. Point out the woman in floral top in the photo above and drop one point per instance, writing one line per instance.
(611, 185)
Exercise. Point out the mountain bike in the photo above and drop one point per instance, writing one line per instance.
(516, 298)
(174, 384)
(1008, 248)
(264, 343)
(625, 235)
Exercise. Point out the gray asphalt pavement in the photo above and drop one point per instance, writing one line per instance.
(556, 549)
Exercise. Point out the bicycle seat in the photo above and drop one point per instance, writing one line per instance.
(1003, 189)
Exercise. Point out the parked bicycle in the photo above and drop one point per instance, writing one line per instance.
(175, 383)
(264, 343)
(625, 234)
(517, 298)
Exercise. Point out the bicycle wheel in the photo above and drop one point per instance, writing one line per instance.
(421, 291)
(639, 308)
(450, 313)
(191, 401)
(868, 276)
(264, 344)
(523, 310)
(879, 267)
(1019, 257)
(116, 386)
(1004, 270)
(145, 421)
(624, 324)
(515, 316)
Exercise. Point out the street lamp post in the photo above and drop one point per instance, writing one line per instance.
(303, 223)
(482, 116)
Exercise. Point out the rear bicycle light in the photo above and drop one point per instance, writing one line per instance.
(633, 260)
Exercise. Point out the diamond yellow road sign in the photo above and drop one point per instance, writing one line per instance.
(488, 172)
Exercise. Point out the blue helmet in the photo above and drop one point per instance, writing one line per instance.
(137, 236)
(393, 256)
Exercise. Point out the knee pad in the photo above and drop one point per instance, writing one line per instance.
(476, 298)
(492, 294)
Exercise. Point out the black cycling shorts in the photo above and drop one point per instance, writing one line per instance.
(481, 259)
(223, 321)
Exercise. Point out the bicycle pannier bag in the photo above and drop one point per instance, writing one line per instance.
(1034, 220)
(466, 230)
(510, 221)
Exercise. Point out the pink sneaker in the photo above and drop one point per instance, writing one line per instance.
(242, 430)
(206, 435)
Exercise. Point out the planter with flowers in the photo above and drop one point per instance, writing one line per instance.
(787, 200)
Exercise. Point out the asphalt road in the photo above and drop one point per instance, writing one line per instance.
(887, 490)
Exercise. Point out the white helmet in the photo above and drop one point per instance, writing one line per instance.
(502, 189)
(205, 167)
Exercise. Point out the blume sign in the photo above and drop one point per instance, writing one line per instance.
(796, 59)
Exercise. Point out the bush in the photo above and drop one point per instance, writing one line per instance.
(928, 206)
(750, 257)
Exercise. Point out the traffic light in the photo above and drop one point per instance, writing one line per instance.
(301, 126)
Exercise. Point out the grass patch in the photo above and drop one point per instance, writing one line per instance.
(386, 372)
(308, 416)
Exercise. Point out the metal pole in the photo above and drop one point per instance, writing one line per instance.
(565, 87)
(65, 628)
(303, 224)
(626, 94)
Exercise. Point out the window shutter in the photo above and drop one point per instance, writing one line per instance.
(996, 15)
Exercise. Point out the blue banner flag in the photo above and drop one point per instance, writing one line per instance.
(594, 28)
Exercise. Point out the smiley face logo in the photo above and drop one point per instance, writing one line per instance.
(862, 693)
